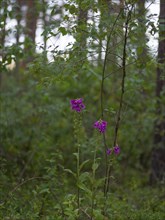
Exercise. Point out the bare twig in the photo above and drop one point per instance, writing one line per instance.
(82, 210)
(120, 69)
(101, 93)
(107, 181)
(123, 77)
(9, 195)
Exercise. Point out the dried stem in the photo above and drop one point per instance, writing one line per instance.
(123, 77)
(101, 92)
(109, 168)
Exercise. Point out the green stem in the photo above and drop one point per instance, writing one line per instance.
(78, 177)
(77, 127)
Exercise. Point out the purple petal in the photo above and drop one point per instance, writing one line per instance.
(77, 104)
(109, 151)
(116, 149)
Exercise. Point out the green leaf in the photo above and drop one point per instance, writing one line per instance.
(95, 166)
(84, 188)
(72, 8)
(98, 215)
(83, 177)
(83, 164)
(70, 171)
(46, 190)
(63, 31)
(76, 155)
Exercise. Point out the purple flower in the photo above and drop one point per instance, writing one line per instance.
(109, 151)
(116, 149)
(100, 125)
(77, 104)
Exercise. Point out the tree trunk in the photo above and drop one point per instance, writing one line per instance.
(18, 32)
(30, 33)
(141, 35)
(44, 7)
(4, 6)
(158, 153)
(82, 28)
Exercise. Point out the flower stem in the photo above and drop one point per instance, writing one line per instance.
(93, 186)
(77, 127)
(78, 177)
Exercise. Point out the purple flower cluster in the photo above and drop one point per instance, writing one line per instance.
(100, 125)
(77, 104)
(116, 150)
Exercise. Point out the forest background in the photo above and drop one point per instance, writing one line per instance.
(53, 163)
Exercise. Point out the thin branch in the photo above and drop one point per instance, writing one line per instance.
(107, 181)
(123, 77)
(20, 184)
(101, 93)
(119, 69)
(104, 65)
(17, 186)
(89, 217)
(116, 55)
(117, 64)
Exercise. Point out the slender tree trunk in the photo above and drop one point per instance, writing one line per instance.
(30, 33)
(141, 35)
(4, 5)
(158, 153)
(44, 6)
(18, 18)
(82, 23)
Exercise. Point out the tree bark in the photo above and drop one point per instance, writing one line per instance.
(158, 153)
(18, 32)
(82, 23)
(44, 6)
(141, 35)
(4, 6)
(30, 33)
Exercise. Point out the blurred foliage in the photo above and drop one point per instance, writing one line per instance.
(37, 142)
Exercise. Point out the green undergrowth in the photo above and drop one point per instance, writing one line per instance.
(41, 199)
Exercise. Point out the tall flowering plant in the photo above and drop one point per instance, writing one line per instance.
(101, 125)
(77, 105)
